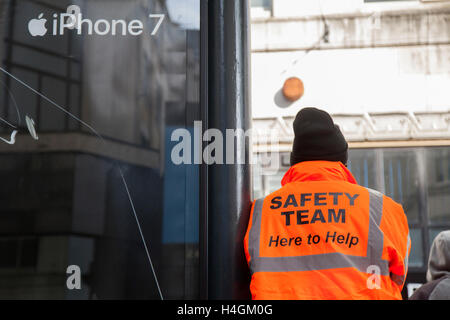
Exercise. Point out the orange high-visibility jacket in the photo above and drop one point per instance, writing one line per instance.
(322, 236)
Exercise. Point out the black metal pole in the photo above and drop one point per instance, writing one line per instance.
(229, 185)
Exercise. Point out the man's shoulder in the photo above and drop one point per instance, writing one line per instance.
(270, 196)
(386, 199)
(393, 204)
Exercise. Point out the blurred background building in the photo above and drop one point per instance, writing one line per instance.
(382, 70)
(64, 201)
(105, 106)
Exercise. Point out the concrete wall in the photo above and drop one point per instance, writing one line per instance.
(378, 58)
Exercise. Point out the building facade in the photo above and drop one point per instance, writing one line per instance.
(95, 204)
(95, 187)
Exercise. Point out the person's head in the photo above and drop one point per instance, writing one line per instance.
(439, 260)
(317, 138)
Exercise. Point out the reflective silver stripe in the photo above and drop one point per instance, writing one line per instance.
(332, 260)
(397, 279)
(255, 231)
(375, 237)
(327, 260)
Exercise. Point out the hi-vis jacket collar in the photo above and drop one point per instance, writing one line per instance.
(318, 171)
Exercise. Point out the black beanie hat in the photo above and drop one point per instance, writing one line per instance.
(317, 138)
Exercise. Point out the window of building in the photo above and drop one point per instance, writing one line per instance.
(78, 196)
(362, 164)
(417, 255)
(261, 8)
(51, 65)
(18, 253)
(438, 185)
(266, 4)
(401, 179)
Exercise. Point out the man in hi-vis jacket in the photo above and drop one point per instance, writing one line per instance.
(321, 235)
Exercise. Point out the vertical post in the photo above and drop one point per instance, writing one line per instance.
(229, 185)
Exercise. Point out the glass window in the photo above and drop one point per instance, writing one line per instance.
(401, 180)
(273, 182)
(433, 232)
(261, 8)
(105, 89)
(362, 165)
(417, 254)
(261, 3)
(438, 184)
(8, 248)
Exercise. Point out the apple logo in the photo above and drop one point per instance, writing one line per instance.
(36, 27)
